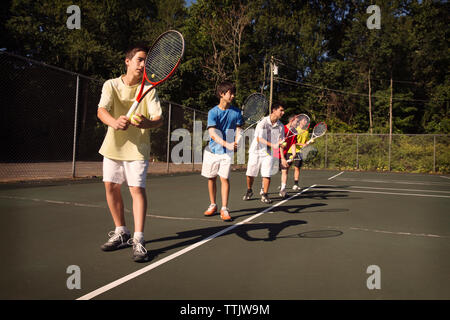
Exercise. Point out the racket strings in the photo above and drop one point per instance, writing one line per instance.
(255, 108)
(164, 56)
(320, 129)
(305, 123)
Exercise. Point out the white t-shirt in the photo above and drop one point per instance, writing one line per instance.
(271, 132)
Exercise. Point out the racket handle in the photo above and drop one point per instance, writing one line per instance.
(132, 109)
(310, 140)
(239, 139)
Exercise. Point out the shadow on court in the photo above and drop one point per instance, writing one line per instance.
(193, 236)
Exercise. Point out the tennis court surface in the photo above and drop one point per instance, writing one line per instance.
(344, 235)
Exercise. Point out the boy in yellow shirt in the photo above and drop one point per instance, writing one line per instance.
(126, 150)
(302, 138)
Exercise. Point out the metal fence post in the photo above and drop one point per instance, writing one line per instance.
(434, 153)
(75, 127)
(389, 157)
(168, 137)
(193, 143)
(326, 149)
(357, 151)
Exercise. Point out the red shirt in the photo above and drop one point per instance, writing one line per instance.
(291, 140)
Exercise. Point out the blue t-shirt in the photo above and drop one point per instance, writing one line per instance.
(225, 121)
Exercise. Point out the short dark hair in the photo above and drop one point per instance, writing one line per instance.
(135, 48)
(276, 105)
(224, 87)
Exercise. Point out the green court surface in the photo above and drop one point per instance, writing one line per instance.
(321, 243)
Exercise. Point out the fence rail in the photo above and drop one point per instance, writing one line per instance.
(49, 128)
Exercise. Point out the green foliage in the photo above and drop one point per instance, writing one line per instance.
(317, 45)
(409, 153)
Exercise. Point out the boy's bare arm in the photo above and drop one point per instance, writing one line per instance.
(213, 134)
(120, 123)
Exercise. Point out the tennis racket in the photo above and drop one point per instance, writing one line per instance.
(302, 121)
(319, 130)
(254, 109)
(162, 60)
(306, 154)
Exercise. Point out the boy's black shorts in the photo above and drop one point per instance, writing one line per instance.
(297, 163)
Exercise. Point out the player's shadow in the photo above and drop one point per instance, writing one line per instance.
(284, 208)
(186, 238)
(315, 193)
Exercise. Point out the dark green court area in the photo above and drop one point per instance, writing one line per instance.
(345, 235)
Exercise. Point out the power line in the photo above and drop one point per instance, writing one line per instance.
(295, 68)
(292, 82)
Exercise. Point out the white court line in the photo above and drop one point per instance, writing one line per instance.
(426, 183)
(444, 177)
(55, 202)
(336, 175)
(415, 190)
(378, 192)
(400, 233)
(139, 272)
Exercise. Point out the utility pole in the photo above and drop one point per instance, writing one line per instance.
(271, 84)
(390, 124)
(370, 107)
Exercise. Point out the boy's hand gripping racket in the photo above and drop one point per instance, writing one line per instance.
(162, 60)
(254, 109)
(306, 154)
(319, 130)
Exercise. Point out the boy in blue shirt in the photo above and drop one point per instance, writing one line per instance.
(224, 122)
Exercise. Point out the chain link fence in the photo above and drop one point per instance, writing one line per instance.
(50, 130)
(426, 153)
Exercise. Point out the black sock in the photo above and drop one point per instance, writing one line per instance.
(296, 182)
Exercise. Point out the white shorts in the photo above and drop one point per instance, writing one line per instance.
(216, 164)
(258, 162)
(118, 171)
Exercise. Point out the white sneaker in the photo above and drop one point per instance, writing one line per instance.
(139, 251)
(283, 193)
(295, 187)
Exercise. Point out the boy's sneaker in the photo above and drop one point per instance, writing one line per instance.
(225, 215)
(265, 198)
(139, 251)
(248, 195)
(296, 187)
(116, 241)
(212, 210)
(283, 193)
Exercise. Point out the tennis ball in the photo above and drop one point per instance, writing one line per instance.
(284, 144)
(134, 119)
(153, 75)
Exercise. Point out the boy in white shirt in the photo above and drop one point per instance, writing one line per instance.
(264, 149)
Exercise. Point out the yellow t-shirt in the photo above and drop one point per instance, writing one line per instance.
(133, 143)
(302, 137)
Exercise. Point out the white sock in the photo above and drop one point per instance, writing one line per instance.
(283, 186)
(139, 236)
(123, 229)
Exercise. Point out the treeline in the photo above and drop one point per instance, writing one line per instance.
(330, 64)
